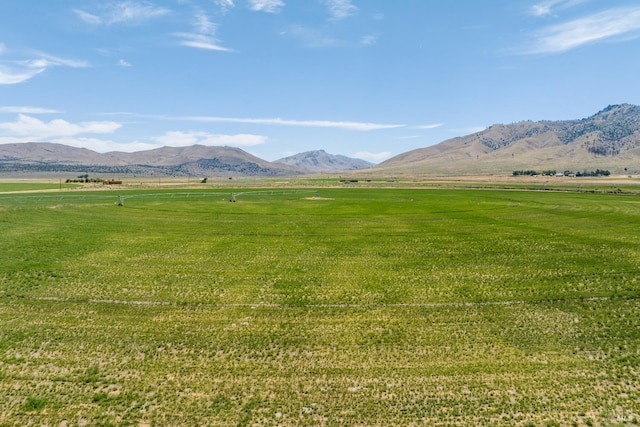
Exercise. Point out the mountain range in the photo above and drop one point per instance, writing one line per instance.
(321, 161)
(608, 140)
(195, 160)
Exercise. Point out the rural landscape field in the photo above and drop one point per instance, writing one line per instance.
(320, 305)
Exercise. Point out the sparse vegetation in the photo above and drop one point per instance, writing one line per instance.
(33, 186)
(368, 307)
(83, 178)
(525, 173)
(597, 172)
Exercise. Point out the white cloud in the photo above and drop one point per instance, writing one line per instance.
(373, 157)
(45, 60)
(204, 35)
(123, 63)
(203, 24)
(224, 5)
(623, 23)
(36, 128)
(546, 7)
(135, 11)
(16, 140)
(340, 9)
(20, 71)
(88, 17)
(95, 144)
(185, 139)
(27, 110)
(468, 131)
(310, 37)
(357, 126)
(11, 76)
(200, 41)
(104, 145)
(269, 6)
(368, 40)
(121, 12)
(432, 126)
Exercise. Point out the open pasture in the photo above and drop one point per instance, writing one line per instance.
(365, 307)
(33, 186)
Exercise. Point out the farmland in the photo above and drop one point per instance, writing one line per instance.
(366, 306)
(32, 186)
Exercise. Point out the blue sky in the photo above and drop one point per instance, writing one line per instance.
(363, 78)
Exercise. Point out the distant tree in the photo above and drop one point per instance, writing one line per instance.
(525, 172)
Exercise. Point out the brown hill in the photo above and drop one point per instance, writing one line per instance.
(196, 160)
(608, 140)
(321, 161)
(37, 152)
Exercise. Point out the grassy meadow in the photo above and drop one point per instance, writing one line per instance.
(366, 306)
(34, 186)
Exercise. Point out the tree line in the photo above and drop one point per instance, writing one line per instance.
(597, 172)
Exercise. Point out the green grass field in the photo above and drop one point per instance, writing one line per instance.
(364, 307)
(34, 186)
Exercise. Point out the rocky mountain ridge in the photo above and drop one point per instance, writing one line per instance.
(609, 139)
(321, 161)
(195, 160)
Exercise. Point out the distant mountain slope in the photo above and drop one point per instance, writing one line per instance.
(196, 160)
(40, 152)
(321, 161)
(610, 139)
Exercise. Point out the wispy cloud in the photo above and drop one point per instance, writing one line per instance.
(203, 35)
(21, 70)
(310, 37)
(13, 75)
(185, 139)
(621, 23)
(122, 12)
(368, 40)
(431, 126)
(549, 6)
(131, 11)
(27, 110)
(102, 145)
(269, 6)
(373, 157)
(36, 128)
(357, 126)
(123, 63)
(203, 25)
(45, 60)
(346, 125)
(224, 5)
(200, 41)
(340, 9)
(468, 131)
(88, 17)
